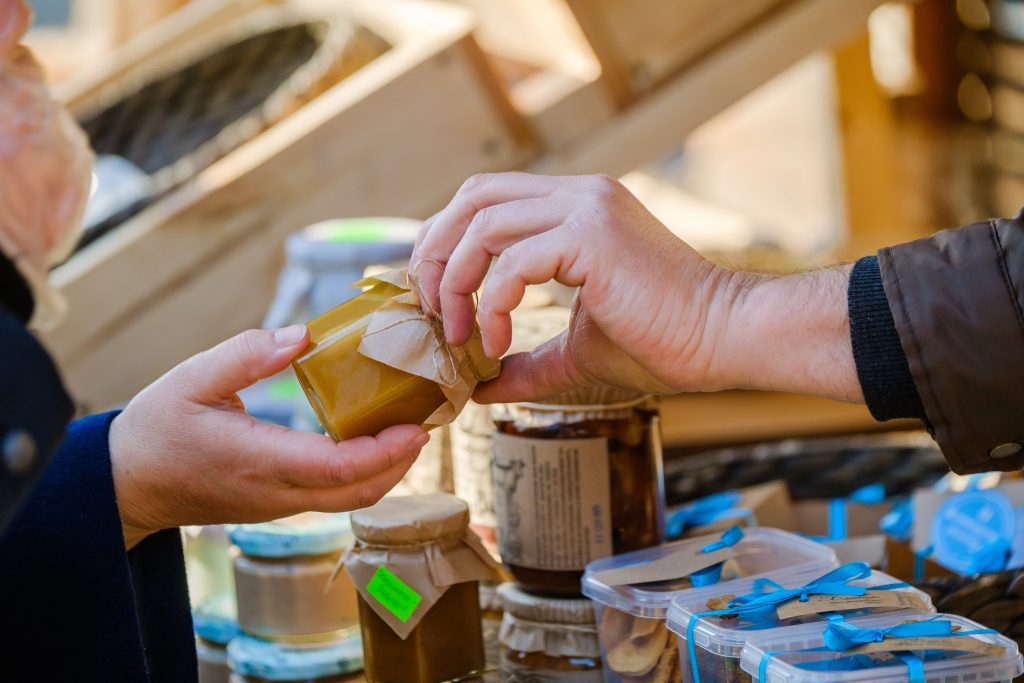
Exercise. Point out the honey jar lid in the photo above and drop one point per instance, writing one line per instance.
(545, 609)
(411, 520)
(309, 533)
(215, 618)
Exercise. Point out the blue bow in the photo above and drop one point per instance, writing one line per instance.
(899, 521)
(835, 582)
(872, 494)
(713, 574)
(840, 636)
(702, 511)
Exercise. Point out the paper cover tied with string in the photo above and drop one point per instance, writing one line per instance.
(378, 360)
(416, 565)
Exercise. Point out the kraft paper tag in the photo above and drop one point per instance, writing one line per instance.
(816, 604)
(955, 643)
(677, 565)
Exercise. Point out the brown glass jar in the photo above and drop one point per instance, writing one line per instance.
(417, 567)
(544, 638)
(576, 479)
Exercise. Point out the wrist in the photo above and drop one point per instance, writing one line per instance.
(789, 333)
(126, 484)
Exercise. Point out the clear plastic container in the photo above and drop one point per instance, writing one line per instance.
(792, 665)
(632, 610)
(259, 661)
(719, 640)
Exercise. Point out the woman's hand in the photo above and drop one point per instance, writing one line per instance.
(185, 452)
(651, 314)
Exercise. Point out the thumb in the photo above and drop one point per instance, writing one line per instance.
(547, 370)
(218, 374)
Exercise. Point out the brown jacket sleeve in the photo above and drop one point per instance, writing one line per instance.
(957, 299)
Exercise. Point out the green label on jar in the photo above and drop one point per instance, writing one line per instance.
(396, 595)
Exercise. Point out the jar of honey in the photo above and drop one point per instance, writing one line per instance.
(377, 361)
(215, 626)
(544, 638)
(417, 567)
(283, 579)
(576, 479)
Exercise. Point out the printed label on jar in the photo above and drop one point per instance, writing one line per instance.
(552, 501)
(472, 463)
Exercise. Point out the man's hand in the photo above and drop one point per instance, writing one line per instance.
(185, 452)
(651, 314)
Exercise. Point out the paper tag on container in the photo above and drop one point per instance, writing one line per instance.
(955, 644)
(679, 564)
(816, 604)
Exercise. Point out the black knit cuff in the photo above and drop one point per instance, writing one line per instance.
(882, 368)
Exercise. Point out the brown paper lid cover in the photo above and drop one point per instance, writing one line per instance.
(411, 520)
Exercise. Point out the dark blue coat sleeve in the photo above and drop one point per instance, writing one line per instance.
(78, 607)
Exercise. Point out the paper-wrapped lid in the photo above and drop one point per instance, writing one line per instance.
(558, 627)
(545, 609)
(409, 551)
(411, 520)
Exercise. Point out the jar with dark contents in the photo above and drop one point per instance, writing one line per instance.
(576, 479)
(545, 638)
(260, 661)
(417, 567)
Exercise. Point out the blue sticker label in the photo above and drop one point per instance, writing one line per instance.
(974, 532)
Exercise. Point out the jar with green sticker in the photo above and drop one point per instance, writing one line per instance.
(417, 567)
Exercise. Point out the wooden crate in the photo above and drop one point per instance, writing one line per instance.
(395, 138)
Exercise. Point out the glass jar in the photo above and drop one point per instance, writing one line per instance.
(215, 625)
(544, 638)
(283, 579)
(354, 393)
(576, 479)
(472, 451)
(491, 614)
(417, 567)
(260, 661)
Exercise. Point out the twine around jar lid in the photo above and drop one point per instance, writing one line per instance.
(411, 520)
(544, 609)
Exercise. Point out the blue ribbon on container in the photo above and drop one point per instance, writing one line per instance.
(872, 494)
(899, 521)
(713, 574)
(919, 557)
(704, 511)
(841, 636)
(993, 557)
(835, 582)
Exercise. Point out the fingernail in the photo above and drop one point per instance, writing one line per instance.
(289, 336)
(420, 441)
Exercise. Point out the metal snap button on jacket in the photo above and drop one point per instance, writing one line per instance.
(19, 451)
(1005, 450)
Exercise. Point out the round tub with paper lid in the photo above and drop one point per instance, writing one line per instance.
(717, 640)
(417, 567)
(259, 661)
(631, 612)
(377, 361)
(283, 576)
(548, 638)
(593, 459)
(799, 654)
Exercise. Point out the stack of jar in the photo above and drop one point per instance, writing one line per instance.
(299, 622)
(576, 479)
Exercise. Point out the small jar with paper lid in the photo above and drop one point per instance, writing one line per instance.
(215, 626)
(284, 579)
(576, 478)
(417, 567)
(545, 638)
(378, 360)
